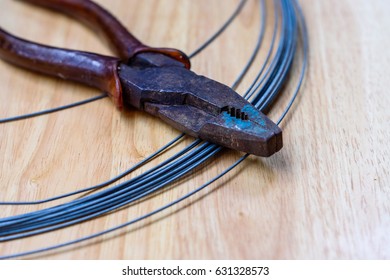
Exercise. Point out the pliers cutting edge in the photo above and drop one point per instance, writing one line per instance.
(156, 80)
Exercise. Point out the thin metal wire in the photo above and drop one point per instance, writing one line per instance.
(103, 184)
(221, 30)
(154, 212)
(263, 17)
(211, 149)
(259, 78)
(85, 210)
(305, 43)
(52, 110)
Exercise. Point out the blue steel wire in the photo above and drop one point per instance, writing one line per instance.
(92, 202)
(263, 17)
(279, 72)
(96, 235)
(278, 68)
(286, 63)
(305, 43)
(52, 110)
(258, 79)
(103, 184)
(81, 209)
(156, 211)
(104, 193)
(270, 69)
(274, 67)
(141, 179)
(98, 209)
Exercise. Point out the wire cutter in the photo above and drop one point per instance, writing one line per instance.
(155, 80)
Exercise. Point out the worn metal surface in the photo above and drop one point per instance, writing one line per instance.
(199, 107)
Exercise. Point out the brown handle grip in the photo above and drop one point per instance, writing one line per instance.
(90, 69)
(123, 42)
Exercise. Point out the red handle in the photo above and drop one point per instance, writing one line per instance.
(88, 68)
(91, 69)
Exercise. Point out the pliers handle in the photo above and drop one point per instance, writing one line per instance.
(88, 68)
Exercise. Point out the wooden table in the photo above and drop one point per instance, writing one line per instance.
(326, 195)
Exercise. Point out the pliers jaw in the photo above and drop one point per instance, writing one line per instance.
(198, 106)
(255, 135)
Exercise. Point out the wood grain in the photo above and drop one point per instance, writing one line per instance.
(326, 195)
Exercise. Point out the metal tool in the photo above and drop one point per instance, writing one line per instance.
(155, 80)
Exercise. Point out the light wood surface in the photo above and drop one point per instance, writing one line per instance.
(326, 195)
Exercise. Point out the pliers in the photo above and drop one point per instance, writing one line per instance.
(155, 80)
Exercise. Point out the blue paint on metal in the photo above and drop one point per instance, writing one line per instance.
(254, 114)
(239, 124)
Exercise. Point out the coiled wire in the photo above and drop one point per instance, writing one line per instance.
(263, 91)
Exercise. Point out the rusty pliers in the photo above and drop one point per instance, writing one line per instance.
(156, 80)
